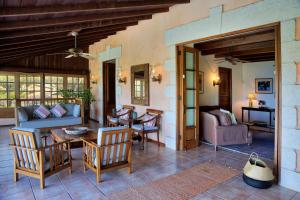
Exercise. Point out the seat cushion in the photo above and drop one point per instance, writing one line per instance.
(76, 111)
(36, 134)
(139, 127)
(51, 122)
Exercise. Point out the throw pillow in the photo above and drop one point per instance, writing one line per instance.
(122, 112)
(150, 123)
(58, 111)
(232, 116)
(42, 112)
(22, 115)
(223, 118)
(76, 110)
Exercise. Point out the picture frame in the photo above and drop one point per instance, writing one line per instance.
(201, 82)
(264, 85)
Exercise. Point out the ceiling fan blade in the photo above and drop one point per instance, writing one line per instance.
(52, 54)
(87, 55)
(69, 56)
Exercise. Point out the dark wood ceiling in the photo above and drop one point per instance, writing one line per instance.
(256, 46)
(37, 27)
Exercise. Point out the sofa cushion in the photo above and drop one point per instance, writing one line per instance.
(42, 112)
(52, 122)
(58, 110)
(232, 116)
(22, 115)
(69, 107)
(223, 118)
(76, 110)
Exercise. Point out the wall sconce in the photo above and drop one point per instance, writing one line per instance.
(251, 97)
(155, 76)
(94, 80)
(217, 81)
(122, 79)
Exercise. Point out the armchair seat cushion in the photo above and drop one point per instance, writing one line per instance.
(139, 127)
(51, 122)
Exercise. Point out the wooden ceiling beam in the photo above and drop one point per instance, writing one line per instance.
(30, 39)
(246, 47)
(246, 52)
(56, 41)
(64, 21)
(48, 48)
(61, 29)
(254, 56)
(83, 7)
(239, 40)
(260, 59)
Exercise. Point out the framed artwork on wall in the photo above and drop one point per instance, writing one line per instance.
(201, 82)
(264, 85)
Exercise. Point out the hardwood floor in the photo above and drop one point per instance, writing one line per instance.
(150, 164)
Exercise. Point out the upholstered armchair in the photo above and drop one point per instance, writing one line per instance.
(218, 135)
(32, 158)
(121, 117)
(148, 123)
(113, 150)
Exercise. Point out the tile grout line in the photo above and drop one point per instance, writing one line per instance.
(64, 186)
(31, 188)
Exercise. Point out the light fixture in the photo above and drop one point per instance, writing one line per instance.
(217, 81)
(156, 77)
(94, 80)
(121, 78)
(251, 97)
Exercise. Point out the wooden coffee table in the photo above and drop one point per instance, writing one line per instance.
(60, 135)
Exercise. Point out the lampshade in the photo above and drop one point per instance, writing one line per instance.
(251, 96)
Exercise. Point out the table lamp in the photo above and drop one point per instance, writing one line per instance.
(251, 97)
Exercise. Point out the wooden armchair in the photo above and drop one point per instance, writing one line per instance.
(148, 123)
(113, 150)
(33, 159)
(122, 116)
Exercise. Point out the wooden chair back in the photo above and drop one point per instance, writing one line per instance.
(115, 146)
(158, 113)
(25, 149)
(128, 107)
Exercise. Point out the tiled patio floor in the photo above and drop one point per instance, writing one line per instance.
(151, 164)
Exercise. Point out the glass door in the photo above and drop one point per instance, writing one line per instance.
(188, 97)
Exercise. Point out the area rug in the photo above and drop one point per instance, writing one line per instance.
(183, 185)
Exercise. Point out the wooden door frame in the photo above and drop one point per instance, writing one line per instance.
(278, 94)
(229, 69)
(104, 66)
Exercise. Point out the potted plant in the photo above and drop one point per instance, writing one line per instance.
(86, 96)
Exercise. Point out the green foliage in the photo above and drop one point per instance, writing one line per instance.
(86, 95)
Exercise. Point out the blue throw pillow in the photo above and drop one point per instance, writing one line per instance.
(22, 115)
(69, 108)
(76, 110)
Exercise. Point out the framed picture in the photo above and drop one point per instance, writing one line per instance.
(201, 82)
(264, 85)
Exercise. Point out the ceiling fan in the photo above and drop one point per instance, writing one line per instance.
(231, 60)
(75, 52)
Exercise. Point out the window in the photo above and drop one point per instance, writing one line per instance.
(30, 88)
(75, 83)
(7, 91)
(53, 84)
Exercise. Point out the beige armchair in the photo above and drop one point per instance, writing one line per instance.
(223, 135)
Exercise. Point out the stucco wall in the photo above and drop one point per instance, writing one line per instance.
(154, 41)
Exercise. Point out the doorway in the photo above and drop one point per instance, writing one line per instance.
(258, 44)
(109, 88)
(225, 88)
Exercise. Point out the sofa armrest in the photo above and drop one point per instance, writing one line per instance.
(80, 102)
(208, 126)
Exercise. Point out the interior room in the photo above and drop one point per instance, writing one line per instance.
(232, 72)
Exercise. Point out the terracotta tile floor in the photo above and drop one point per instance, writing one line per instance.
(151, 164)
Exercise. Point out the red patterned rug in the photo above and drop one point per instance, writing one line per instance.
(184, 185)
